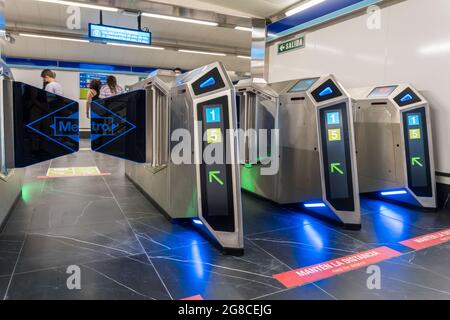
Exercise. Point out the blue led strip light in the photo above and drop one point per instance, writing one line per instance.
(208, 82)
(326, 92)
(314, 205)
(406, 97)
(47, 136)
(393, 192)
(116, 115)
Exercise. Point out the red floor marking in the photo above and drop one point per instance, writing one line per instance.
(197, 297)
(334, 267)
(75, 176)
(428, 240)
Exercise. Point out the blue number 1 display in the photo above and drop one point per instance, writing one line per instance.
(413, 119)
(333, 118)
(213, 114)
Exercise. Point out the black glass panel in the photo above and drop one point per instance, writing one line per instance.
(209, 82)
(417, 152)
(336, 157)
(118, 126)
(406, 97)
(216, 179)
(45, 125)
(326, 91)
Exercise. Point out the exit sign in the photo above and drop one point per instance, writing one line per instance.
(290, 45)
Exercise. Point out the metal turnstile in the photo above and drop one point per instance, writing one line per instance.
(159, 126)
(394, 144)
(317, 163)
(35, 126)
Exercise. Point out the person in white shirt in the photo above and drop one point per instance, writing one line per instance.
(111, 88)
(50, 84)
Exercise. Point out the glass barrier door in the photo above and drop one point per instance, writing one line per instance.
(46, 126)
(118, 126)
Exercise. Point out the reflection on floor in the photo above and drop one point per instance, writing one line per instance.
(126, 250)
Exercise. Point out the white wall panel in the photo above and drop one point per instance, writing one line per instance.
(413, 46)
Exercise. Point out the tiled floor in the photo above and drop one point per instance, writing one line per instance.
(127, 250)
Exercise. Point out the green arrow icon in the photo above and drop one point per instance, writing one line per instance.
(335, 166)
(415, 161)
(213, 175)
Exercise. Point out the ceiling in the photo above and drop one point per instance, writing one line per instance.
(246, 8)
(47, 18)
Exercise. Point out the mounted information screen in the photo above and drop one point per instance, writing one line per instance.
(118, 126)
(45, 125)
(417, 152)
(382, 92)
(303, 85)
(216, 178)
(106, 33)
(336, 156)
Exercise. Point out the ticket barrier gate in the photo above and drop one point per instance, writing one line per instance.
(149, 123)
(35, 126)
(317, 164)
(394, 144)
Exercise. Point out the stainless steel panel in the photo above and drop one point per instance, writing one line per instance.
(379, 146)
(299, 158)
(300, 177)
(171, 105)
(183, 179)
(382, 162)
(8, 123)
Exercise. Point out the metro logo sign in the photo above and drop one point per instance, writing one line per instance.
(334, 267)
(55, 127)
(111, 126)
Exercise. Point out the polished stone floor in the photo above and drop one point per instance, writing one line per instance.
(126, 249)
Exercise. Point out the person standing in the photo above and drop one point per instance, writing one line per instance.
(50, 84)
(94, 94)
(111, 88)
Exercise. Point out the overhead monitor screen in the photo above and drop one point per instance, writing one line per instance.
(417, 154)
(382, 92)
(216, 177)
(303, 85)
(336, 156)
(109, 33)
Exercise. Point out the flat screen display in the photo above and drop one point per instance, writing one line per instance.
(118, 126)
(382, 92)
(216, 178)
(110, 33)
(417, 154)
(45, 125)
(303, 85)
(336, 156)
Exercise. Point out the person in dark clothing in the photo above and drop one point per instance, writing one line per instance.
(94, 94)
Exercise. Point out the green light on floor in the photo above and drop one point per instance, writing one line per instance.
(247, 179)
(28, 189)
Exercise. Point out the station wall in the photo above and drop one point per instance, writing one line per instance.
(412, 46)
